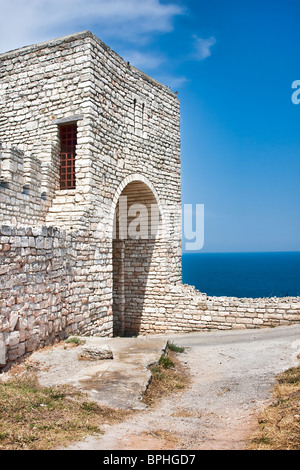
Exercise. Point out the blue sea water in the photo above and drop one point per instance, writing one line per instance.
(243, 274)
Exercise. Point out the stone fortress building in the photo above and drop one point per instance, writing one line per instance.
(90, 198)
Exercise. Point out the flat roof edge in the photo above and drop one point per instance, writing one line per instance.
(50, 42)
(81, 35)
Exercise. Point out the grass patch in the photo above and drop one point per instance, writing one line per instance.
(174, 347)
(279, 424)
(75, 341)
(37, 418)
(168, 376)
(165, 362)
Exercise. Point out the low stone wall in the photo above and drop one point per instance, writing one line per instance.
(184, 309)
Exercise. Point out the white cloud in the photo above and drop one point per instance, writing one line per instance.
(203, 47)
(174, 82)
(143, 61)
(29, 21)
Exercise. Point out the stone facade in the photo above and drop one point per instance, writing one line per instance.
(65, 266)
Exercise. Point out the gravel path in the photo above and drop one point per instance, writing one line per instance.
(232, 373)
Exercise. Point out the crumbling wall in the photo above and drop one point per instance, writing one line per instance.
(21, 198)
(182, 308)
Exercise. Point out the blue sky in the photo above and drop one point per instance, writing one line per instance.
(233, 64)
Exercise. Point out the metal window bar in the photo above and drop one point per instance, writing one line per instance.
(68, 141)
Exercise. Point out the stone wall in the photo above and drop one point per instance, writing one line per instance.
(182, 308)
(36, 267)
(50, 287)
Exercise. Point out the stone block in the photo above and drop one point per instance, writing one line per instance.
(96, 353)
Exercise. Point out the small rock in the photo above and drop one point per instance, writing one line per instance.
(96, 353)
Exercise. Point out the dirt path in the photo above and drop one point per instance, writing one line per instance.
(231, 378)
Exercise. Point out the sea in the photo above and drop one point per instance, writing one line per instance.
(243, 274)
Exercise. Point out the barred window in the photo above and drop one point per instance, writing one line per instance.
(68, 141)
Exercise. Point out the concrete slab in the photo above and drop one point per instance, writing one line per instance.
(119, 382)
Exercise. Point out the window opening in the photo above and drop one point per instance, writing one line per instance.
(68, 142)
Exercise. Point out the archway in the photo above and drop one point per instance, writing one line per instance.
(137, 256)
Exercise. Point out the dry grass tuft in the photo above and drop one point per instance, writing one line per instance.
(37, 418)
(279, 424)
(168, 376)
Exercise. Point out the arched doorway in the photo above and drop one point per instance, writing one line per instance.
(137, 256)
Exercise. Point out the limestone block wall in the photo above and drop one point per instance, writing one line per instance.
(35, 289)
(135, 122)
(182, 308)
(50, 287)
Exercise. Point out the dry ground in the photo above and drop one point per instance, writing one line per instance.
(278, 425)
(216, 394)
